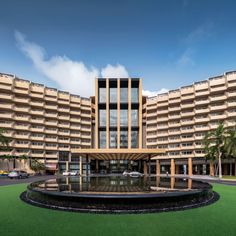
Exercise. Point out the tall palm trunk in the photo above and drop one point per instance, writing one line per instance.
(220, 167)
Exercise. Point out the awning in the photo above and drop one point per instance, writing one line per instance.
(51, 166)
(118, 154)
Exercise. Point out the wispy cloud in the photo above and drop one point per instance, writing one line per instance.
(70, 75)
(186, 59)
(149, 93)
(191, 41)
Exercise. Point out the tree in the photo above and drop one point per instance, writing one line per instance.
(23, 157)
(230, 144)
(37, 166)
(214, 145)
(4, 140)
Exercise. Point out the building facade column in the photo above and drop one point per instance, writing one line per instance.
(80, 165)
(67, 165)
(145, 168)
(190, 166)
(172, 167)
(176, 169)
(212, 168)
(87, 165)
(97, 166)
(158, 167)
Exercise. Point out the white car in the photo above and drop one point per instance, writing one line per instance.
(18, 174)
(65, 173)
(126, 173)
(135, 174)
(70, 173)
(74, 173)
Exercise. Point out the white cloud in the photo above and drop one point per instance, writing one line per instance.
(117, 71)
(186, 58)
(149, 93)
(72, 76)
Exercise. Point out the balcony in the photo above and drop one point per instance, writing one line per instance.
(6, 86)
(232, 84)
(231, 94)
(203, 128)
(21, 136)
(37, 138)
(174, 101)
(187, 114)
(55, 148)
(20, 145)
(173, 109)
(51, 123)
(51, 115)
(51, 106)
(37, 112)
(64, 126)
(202, 93)
(21, 109)
(85, 136)
(63, 141)
(72, 112)
(21, 91)
(21, 127)
(171, 117)
(217, 117)
(37, 121)
(86, 122)
(50, 99)
(63, 102)
(153, 121)
(6, 125)
(62, 109)
(51, 139)
(161, 112)
(21, 100)
(201, 102)
(37, 95)
(34, 129)
(48, 131)
(187, 97)
(6, 106)
(218, 98)
(200, 120)
(64, 118)
(202, 111)
(184, 106)
(6, 115)
(218, 89)
(37, 103)
(5, 96)
(39, 155)
(21, 118)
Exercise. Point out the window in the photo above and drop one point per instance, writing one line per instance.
(134, 117)
(113, 117)
(134, 139)
(123, 139)
(102, 117)
(102, 139)
(102, 95)
(123, 118)
(113, 139)
(123, 95)
(134, 95)
(113, 95)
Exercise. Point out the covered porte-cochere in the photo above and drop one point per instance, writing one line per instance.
(122, 159)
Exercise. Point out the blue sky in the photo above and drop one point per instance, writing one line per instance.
(169, 43)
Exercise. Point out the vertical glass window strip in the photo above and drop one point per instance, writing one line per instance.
(113, 118)
(113, 95)
(102, 95)
(124, 95)
(134, 139)
(123, 117)
(134, 117)
(113, 139)
(102, 139)
(134, 95)
(123, 139)
(102, 118)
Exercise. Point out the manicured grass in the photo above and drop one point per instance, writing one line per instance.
(19, 218)
(229, 177)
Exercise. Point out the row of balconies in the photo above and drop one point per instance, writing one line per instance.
(154, 104)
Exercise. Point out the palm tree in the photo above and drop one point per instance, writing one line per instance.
(214, 143)
(4, 145)
(230, 144)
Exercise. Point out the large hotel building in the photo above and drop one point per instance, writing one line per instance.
(118, 128)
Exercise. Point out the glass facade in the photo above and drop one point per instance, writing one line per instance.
(113, 95)
(123, 139)
(102, 139)
(102, 118)
(102, 95)
(134, 117)
(113, 139)
(124, 95)
(134, 139)
(134, 95)
(123, 117)
(113, 117)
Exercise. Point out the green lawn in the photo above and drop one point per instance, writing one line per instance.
(19, 218)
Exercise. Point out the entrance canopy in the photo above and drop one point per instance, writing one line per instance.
(118, 154)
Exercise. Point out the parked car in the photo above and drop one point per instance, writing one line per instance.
(135, 174)
(18, 174)
(4, 173)
(74, 173)
(70, 173)
(126, 173)
(65, 173)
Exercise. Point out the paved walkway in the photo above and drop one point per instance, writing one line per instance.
(6, 181)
